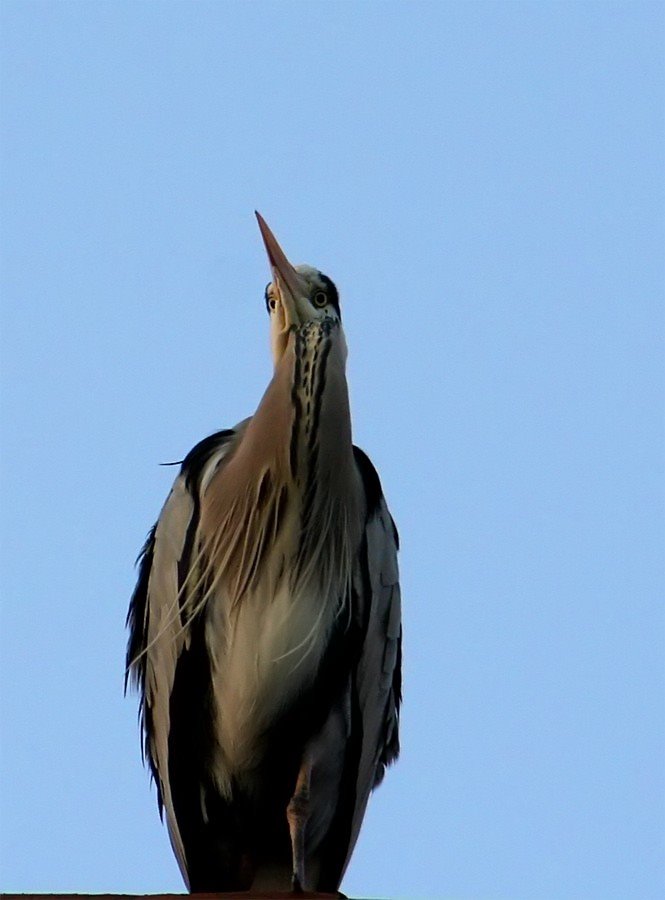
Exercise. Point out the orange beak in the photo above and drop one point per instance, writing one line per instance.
(289, 282)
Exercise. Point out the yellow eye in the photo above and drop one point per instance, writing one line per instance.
(320, 299)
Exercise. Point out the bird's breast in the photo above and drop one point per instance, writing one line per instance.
(265, 653)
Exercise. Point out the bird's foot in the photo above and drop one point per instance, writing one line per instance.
(297, 814)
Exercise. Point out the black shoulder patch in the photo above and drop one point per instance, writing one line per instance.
(198, 456)
(371, 481)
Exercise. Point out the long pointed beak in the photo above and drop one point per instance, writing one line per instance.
(282, 269)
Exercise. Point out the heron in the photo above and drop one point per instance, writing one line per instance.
(265, 627)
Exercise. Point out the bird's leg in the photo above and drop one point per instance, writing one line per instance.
(297, 813)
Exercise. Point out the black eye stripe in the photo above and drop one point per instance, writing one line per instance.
(331, 291)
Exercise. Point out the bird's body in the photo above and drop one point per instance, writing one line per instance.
(265, 627)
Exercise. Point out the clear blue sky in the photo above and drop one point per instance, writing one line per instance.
(485, 184)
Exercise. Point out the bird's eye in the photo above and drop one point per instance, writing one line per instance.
(271, 302)
(320, 299)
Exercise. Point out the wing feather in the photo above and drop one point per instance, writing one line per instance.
(376, 681)
(159, 620)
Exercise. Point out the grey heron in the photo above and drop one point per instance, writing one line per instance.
(265, 626)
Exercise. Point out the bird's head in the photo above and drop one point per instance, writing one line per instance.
(296, 296)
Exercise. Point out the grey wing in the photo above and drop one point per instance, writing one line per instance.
(376, 685)
(160, 619)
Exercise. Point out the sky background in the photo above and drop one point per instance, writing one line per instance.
(485, 184)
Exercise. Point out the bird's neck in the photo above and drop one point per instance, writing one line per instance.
(320, 438)
(321, 459)
(291, 484)
(301, 430)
